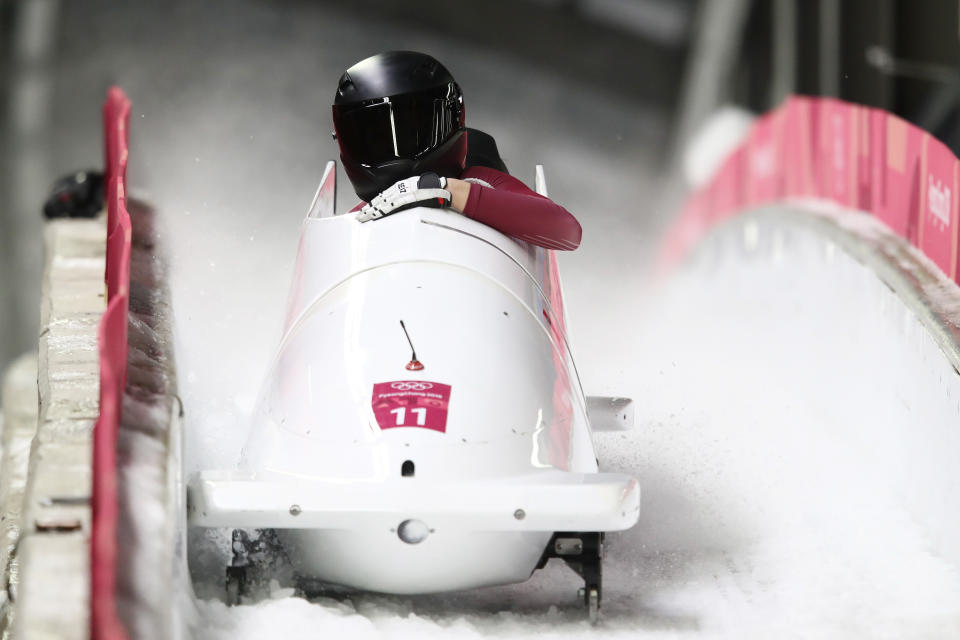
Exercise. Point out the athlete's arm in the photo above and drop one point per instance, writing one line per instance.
(514, 209)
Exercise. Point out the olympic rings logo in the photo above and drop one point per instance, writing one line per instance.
(411, 386)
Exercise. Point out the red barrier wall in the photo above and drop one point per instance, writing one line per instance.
(112, 342)
(856, 156)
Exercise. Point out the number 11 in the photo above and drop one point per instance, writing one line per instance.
(401, 413)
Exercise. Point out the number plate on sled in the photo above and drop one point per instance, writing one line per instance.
(411, 403)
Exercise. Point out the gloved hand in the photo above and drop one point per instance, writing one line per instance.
(427, 190)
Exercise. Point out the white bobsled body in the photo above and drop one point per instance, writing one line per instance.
(477, 458)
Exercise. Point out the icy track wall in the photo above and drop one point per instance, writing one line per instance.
(112, 339)
(846, 217)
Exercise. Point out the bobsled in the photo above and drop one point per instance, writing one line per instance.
(423, 427)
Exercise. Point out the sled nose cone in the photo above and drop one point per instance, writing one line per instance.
(413, 531)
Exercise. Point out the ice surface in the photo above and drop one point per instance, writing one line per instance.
(797, 447)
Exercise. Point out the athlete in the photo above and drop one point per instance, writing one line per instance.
(399, 120)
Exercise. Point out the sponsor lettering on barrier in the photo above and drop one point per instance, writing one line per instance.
(937, 228)
(938, 201)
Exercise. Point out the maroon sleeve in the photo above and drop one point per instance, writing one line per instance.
(516, 210)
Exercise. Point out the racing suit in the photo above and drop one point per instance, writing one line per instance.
(509, 206)
(501, 201)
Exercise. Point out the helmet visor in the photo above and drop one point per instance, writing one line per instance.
(404, 126)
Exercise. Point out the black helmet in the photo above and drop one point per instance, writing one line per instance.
(398, 114)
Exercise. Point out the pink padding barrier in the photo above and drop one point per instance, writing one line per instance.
(112, 342)
(900, 183)
(863, 152)
(855, 156)
(799, 177)
(118, 246)
(114, 198)
(836, 152)
(116, 202)
(764, 161)
(120, 140)
(112, 337)
(116, 116)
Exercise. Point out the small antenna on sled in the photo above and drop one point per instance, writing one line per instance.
(414, 364)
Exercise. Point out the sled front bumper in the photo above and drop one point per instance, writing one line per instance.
(547, 501)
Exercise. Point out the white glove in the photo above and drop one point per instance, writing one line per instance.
(427, 190)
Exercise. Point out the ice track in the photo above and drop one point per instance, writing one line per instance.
(798, 447)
